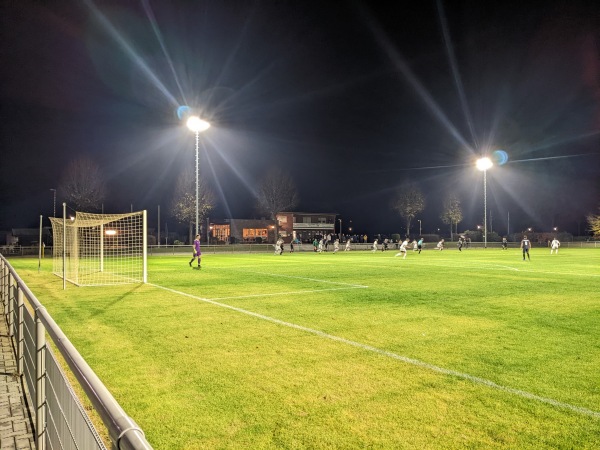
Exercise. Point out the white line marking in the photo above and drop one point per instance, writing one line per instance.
(289, 293)
(561, 273)
(415, 362)
(316, 280)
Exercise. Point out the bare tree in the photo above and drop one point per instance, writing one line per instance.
(408, 202)
(276, 192)
(452, 213)
(83, 185)
(183, 205)
(594, 223)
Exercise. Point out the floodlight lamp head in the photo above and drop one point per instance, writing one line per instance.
(197, 125)
(484, 163)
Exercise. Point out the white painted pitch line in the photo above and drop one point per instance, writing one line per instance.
(274, 294)
(575, 274)
(405, 359)
(316, 280)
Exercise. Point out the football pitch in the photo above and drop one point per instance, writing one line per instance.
(360, 349)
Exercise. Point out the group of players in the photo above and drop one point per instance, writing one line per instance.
(320, 245)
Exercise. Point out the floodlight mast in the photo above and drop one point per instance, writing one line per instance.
(484, 164)
(197, 125)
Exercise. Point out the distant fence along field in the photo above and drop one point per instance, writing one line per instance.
(153, 250)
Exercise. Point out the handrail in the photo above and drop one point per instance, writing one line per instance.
(124, 433)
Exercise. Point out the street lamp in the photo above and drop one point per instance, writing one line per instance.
(197, 125)
(340, 229)
(419, 227)
(54, 204)
(484, 164)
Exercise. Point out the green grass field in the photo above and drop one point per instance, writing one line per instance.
(472, 349)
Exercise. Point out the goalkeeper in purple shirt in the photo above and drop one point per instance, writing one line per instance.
(197, 252)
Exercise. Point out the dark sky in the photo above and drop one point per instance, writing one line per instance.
(352, 98)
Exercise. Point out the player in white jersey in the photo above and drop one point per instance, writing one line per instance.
(336, 245)
(554, 245)
(347, 248)
(279, 247)
(403, 249)
(374, 246)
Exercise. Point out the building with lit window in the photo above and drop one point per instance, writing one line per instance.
(289, 225)
(305, 226)
(242, 230)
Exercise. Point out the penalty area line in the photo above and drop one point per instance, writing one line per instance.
(405, 359)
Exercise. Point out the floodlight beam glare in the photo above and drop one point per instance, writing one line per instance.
(456, 73)
(127, 48)
(546, 158)
(418, 87)
(161, 41)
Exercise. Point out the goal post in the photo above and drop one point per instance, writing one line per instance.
(101, 249)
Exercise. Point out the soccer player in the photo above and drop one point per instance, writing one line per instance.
(525, 246)
(554, 245)
(374, 246)
(347, 249)
(403, 249)
(336, 245)
(196, 249)
(504, 243)
(460, 243)
(279, 247)
(440, 245)
(420, 244)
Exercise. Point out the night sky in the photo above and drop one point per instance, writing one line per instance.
(352, 98)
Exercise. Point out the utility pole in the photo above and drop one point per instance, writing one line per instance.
(54, 204)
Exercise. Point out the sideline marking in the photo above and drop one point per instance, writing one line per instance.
(415, 362)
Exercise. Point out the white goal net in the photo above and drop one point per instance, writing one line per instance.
(100, 249)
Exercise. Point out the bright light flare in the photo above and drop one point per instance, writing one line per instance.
(484, 163)
(197, 125)
(110, 232)
(500, 157)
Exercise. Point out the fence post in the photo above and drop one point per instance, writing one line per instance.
(20, 335)
(6, 287)
(40, 382)
(2, 283)
(11, 305)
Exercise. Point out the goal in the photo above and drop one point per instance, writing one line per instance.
(100, 249)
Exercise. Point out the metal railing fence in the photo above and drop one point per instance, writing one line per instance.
(60, 420)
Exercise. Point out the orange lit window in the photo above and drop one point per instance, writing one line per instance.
(251, 233)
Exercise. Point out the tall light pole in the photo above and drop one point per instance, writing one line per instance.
(197, 125)
(484, 164)
(340, 229)
(54, 204)
(420, 233)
